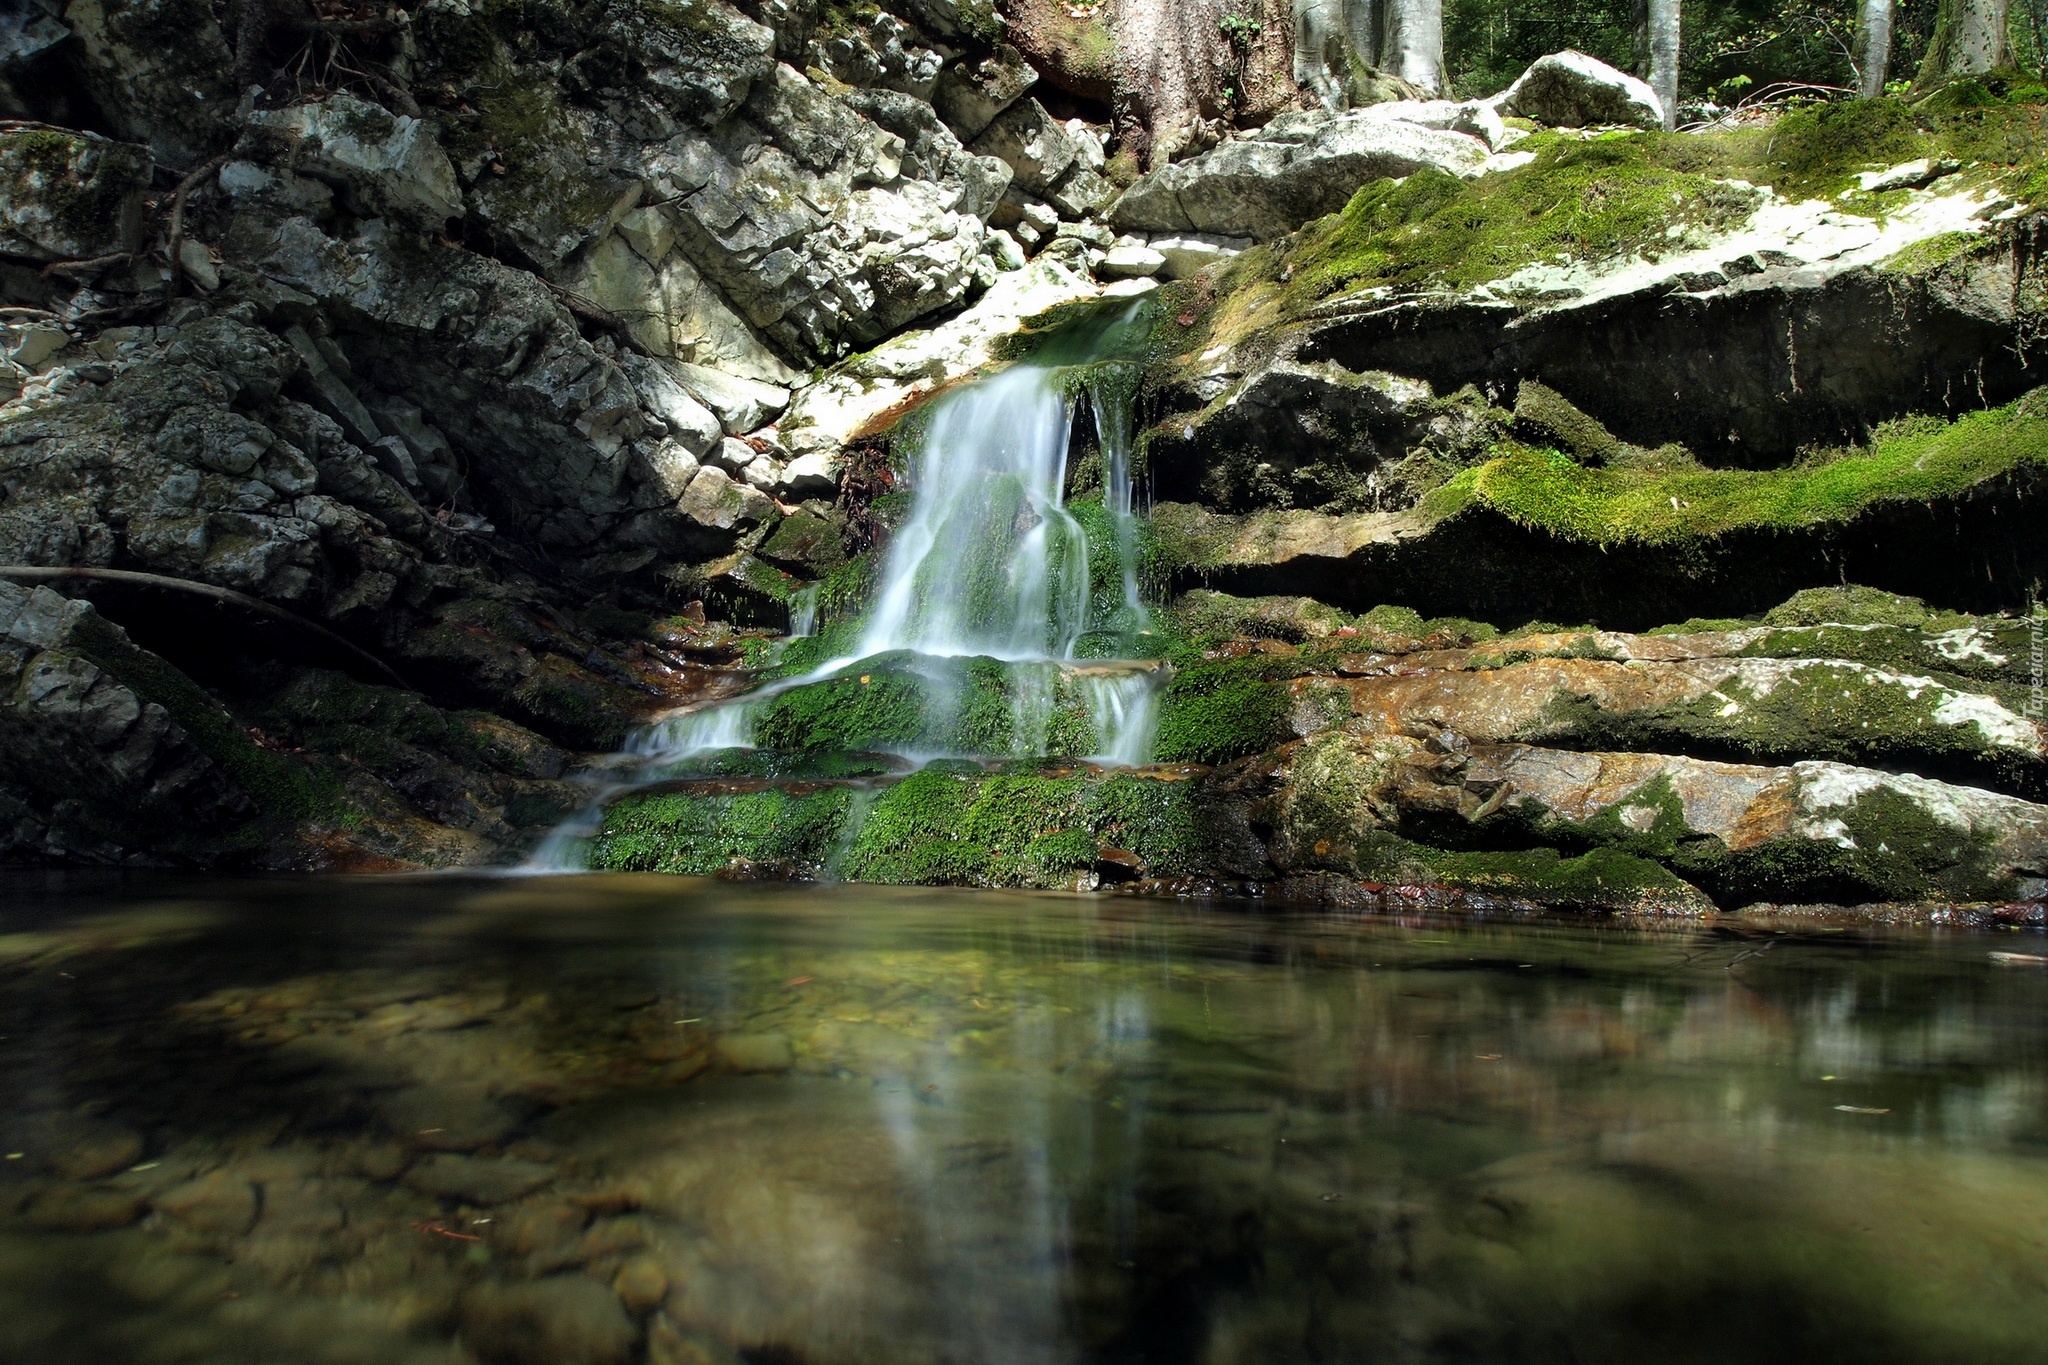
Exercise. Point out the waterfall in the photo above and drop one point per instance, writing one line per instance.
(991, 562)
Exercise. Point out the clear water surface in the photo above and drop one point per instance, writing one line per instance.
(619, 1119)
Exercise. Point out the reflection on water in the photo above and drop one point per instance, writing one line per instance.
(621, 1120)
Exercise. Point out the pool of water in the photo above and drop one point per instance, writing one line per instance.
(593, 1120)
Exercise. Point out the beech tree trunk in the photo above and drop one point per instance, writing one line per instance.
(1335, 43)
(1969, 39)
(1662, 46)
(1412, 43)
(1873, 47)
(1182, 67)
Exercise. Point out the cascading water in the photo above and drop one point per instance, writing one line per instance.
(991, 563)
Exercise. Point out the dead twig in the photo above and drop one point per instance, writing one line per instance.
(585, 310)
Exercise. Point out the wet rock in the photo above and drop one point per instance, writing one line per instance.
(668, 1344)
(68, 196)
(478, 1180)
(539, 1225)
(1572, 90)
(753, 1053)
(104, 763)
(219, 1204)
(1298, 167)
(563, 1320)
(83, 1208)
(446, 1118)
(641, 1284)
(805, 542)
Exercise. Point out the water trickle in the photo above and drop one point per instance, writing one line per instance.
(993, 563)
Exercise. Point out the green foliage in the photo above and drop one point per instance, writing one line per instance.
(1550, 491)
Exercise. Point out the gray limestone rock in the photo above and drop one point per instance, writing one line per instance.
(1298, 167)
(1037, 148)
(382, 163)
(1572, 90)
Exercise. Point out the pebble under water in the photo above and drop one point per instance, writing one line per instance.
(593, 1120)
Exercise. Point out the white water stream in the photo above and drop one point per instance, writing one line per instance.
(990, 562)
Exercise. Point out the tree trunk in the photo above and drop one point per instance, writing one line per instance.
(1969, 39)
(1663, 44)
(1412, 43)
(1184, 67)
(1335, 42)
(1873, 47)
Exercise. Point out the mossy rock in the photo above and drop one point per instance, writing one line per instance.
(948, 824)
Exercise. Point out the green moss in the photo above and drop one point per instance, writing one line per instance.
(1589, 199)
(1894, 851)
(1550, 491)
(1852, 605)
(1808, 709)
(698, 834)
(908, 704)
(83, 184)
(1931, 253)
(1212, 712)
(1546, 417)
(1603, 877)
(566, 699)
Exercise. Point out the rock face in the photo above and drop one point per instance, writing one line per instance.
(92, 765)
(68, 196)
(1300, 166)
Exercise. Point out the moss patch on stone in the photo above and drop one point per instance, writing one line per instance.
(1214, 711)
(1925, 461)
(950, 824)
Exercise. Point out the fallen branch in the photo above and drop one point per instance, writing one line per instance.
(28, 573)
(88, 268)
(185, 188)
(586, 311)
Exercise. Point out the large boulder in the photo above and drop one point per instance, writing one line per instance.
(1572, 90)
(67, 196)
(1299, 167)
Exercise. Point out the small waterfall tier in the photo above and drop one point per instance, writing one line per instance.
(1003, 623)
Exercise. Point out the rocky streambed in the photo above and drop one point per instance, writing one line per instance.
(653, 1119)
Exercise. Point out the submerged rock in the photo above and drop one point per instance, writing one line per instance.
(561, 1320)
